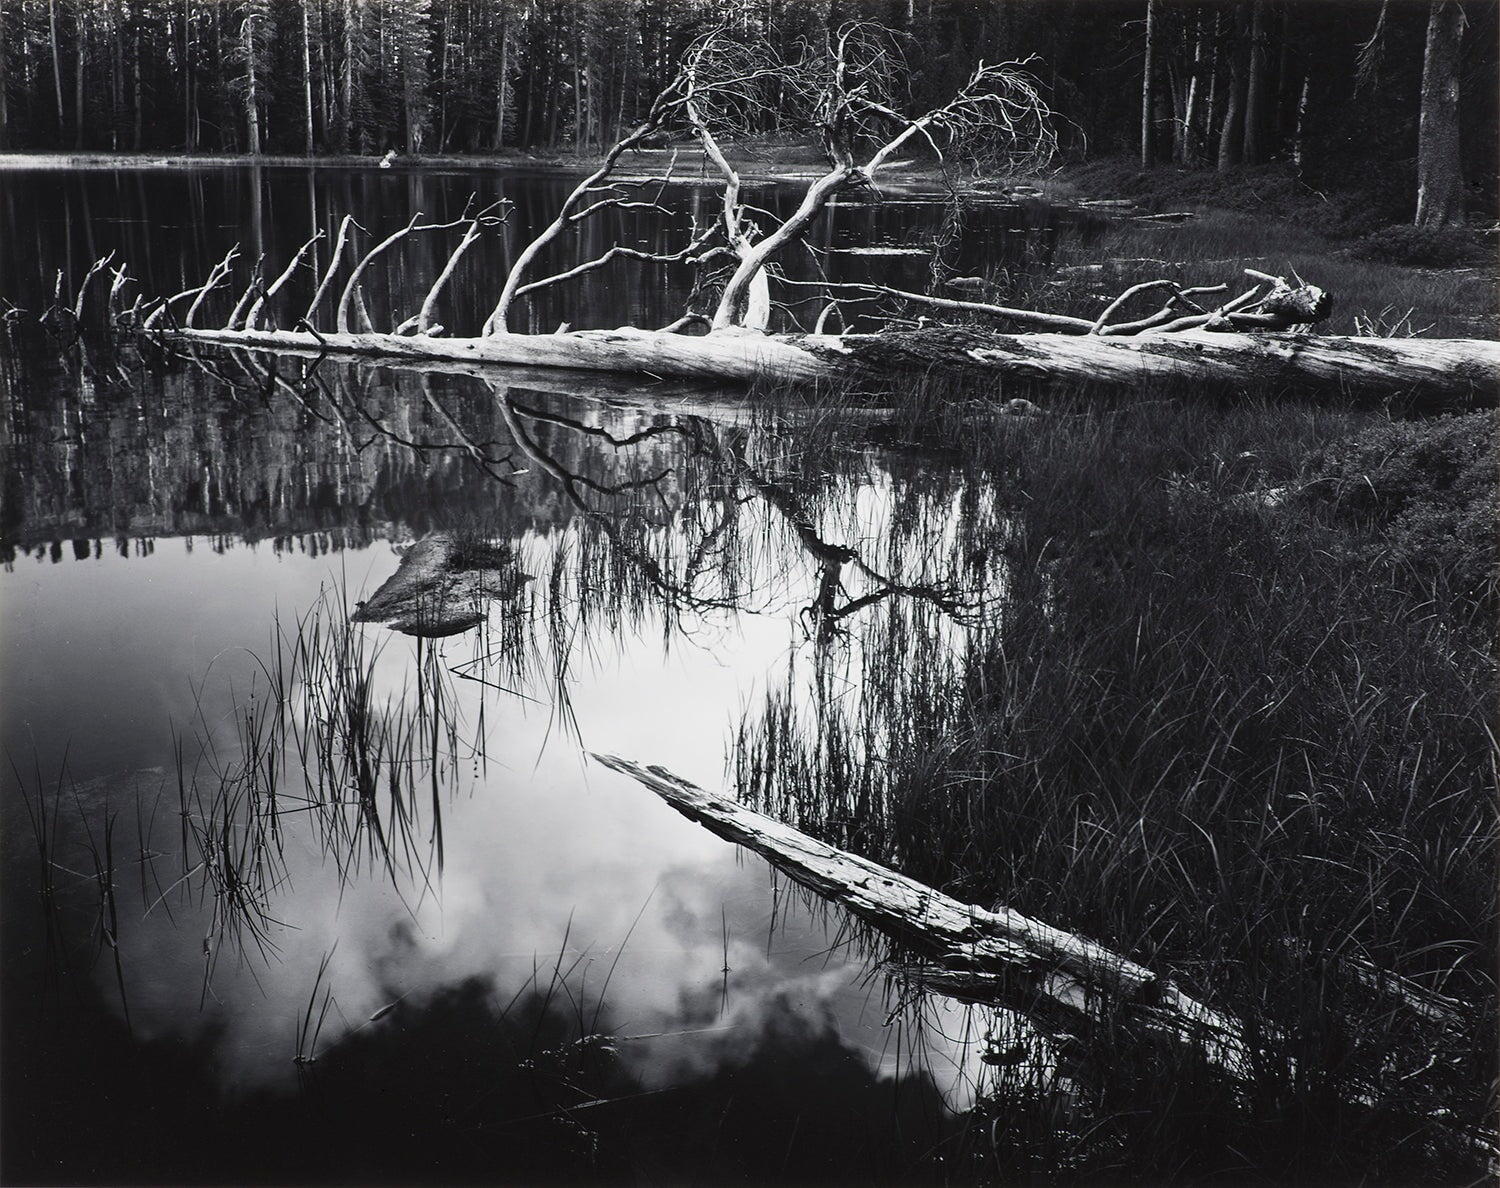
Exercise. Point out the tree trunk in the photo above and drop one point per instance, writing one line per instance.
(80, 63)
(252, 96)
(1299, 133)
(1231, 134)
(1214, 102)
(4, 86)
(138, 102)
(346, 97)
(1444, 372)
(1440, 198)
(56, 64)
(580, 99)
(1192, 138)
(307, 76)
(189, 100)
(1148, 94)
(502, 85)
(116, 75)
(1255, 88)
(327, 81)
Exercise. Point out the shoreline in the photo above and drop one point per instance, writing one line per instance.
(645, 164)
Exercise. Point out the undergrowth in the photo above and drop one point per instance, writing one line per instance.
(1234, 720)
(1358, 247)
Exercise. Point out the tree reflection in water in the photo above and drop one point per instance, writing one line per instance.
(628, 520)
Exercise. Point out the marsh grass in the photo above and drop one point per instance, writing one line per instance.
(321, 744)
(1456, 301)
(1232, 719)
(44, 826)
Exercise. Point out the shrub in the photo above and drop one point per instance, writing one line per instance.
(1433, 247)
(1431, 486)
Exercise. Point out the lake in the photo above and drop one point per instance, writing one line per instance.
(289, 897)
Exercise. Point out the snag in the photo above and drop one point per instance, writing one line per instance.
(847, 89)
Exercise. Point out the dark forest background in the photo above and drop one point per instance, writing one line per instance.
(1332, 88)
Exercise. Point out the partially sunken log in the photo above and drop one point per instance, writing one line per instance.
(1086, 999)
(1003, 957)
(442, 587)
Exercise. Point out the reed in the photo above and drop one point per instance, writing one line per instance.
(316, 739)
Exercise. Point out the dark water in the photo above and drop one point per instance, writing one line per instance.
(171, 227)
(486, 958)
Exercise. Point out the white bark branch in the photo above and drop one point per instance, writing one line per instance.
(252, 319)
(333, 263)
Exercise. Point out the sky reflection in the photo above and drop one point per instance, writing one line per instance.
(550, 864)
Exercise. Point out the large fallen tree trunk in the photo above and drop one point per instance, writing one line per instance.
(997, 121)
(1456, 371)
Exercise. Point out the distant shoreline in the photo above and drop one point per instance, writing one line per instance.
(788, 164)
(133, 160)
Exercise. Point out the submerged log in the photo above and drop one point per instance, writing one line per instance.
(442, 587)
(1451, 371)
(1086, 999)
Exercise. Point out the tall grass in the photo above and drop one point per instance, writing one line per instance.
(1226, 723)
(317, 742)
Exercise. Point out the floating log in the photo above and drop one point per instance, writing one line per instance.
(1460, 372)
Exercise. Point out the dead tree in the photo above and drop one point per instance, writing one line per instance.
(845, 93)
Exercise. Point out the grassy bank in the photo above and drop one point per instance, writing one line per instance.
(1232, 717)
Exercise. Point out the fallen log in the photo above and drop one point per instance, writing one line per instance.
(1459, 372)
(1083, 997)
(1059, 980)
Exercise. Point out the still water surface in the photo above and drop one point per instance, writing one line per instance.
(491, 959)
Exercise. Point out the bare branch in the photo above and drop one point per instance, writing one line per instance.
(429, 303)
(682, 323)
(757, 314)
(253, 316)
(215, 275)
(346, 298)
(1143, 287)
(1053, 321)
(250, 290)
(1167, 312)
(351, 287)
(618, 251)
(95, 268)
(122, 278)
(333, 263)
(661, 110)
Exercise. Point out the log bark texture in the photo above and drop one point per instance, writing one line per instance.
(1452, 371)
